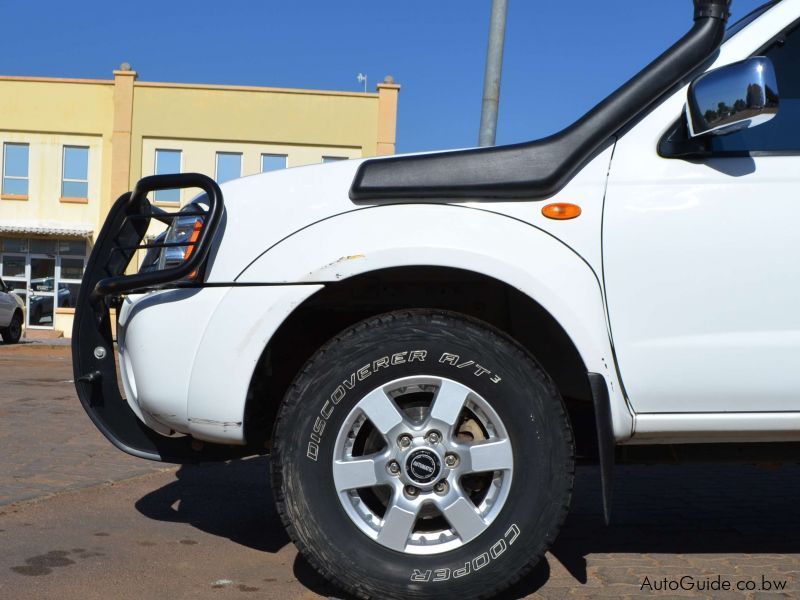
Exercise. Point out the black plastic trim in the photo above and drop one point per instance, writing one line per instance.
(605, 439)
(539, 169)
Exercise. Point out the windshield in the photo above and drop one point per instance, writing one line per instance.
(747, 19)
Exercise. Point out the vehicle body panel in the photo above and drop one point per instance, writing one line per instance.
(700, 266)
(195, 380)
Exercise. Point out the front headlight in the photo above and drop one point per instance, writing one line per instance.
(184, 230)
(176, 244)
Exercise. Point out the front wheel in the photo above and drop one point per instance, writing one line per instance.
(422, 454)
(13, 332)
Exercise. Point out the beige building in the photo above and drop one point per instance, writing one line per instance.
(70, 147)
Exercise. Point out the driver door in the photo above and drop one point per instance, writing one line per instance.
(701, 263)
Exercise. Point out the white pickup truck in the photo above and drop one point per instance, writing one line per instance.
(416, 340)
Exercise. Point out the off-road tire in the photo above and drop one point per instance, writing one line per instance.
(519, 391)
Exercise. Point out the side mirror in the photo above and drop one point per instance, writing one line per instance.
(733, 97)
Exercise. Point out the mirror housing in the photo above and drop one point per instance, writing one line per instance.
(737, 96)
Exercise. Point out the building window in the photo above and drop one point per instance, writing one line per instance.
(46, 273)
(69, 281)
(327, 159)
(229, 166)
(168, 162)
(75, 172)
(272, 162)
(15, 170)
(43, 246)
(14, 244)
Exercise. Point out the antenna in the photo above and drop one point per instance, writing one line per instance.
(362, 78)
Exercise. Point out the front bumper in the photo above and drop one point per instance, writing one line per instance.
(93, 352)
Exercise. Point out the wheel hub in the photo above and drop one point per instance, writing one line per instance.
(423, 466)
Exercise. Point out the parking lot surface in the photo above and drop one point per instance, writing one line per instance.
(79, 519)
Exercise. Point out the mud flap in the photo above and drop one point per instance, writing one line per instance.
(605, 439)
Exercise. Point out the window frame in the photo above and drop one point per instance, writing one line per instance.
(216, 164)
(329, 158)
(64, 179)
(27, 178)
(155, 172)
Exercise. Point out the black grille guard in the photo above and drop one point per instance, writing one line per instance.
(93, 355)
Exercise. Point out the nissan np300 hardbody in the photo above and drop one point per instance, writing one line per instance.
(413, 339)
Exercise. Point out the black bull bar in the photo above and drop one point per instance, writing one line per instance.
(103, 284)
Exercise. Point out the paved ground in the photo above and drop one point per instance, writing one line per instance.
(211, 532)
(47, 443)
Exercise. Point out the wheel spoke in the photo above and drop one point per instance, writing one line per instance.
(381, 410)
(449, 402)
(354, 474)
(397, 526)
(491, 456)
(464, 519)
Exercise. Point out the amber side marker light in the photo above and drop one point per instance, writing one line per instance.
(198, 226)
(561, 211)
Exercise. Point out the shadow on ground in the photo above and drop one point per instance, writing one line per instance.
(229, 499)
(661, 509)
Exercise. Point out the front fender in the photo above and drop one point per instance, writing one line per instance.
(456, 236)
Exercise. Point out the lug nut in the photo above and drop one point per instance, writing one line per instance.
(434, 437)
(441, 487)
(412, 491)
(451, 460)
(404, 441)
(393, 467)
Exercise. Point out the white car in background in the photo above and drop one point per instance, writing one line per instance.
(426, 343)
(12, 314)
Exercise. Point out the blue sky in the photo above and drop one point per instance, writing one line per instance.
(561, 58)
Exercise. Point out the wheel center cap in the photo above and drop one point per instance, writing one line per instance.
(423, 466)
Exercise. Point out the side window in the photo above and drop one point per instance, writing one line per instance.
(781, 134)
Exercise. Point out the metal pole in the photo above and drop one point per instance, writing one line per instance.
(494, 68)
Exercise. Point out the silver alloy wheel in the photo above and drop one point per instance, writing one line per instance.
(453, 477)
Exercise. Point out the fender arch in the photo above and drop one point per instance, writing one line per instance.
(542, 268)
